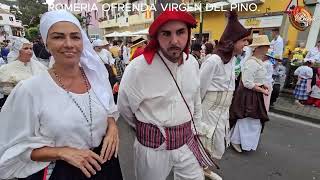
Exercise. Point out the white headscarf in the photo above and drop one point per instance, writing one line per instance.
(16, 47)
(98, 42)
(89, 60)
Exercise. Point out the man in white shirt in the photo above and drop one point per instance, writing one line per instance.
(314, 54)
(150, 100)
(125, 49)
(277, 44)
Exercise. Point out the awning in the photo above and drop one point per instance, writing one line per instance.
(114, 34)
(141, 32)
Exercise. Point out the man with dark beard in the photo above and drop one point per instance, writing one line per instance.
(159, 94)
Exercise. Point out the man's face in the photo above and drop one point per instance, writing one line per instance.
(173, 38)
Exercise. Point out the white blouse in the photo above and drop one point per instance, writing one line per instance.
(11, 74)
(39, 113)
(106, 57)
(304, 72)
(253, 73)
(217, 76)
(315, 92)
(148, 92)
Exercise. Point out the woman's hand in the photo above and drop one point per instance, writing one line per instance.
(111, 141)
(86, 160)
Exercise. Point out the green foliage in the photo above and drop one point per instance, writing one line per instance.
(32, 33)
(31, 10)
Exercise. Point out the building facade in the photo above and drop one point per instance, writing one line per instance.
(120, 21)
(9, 26)
(269, 14)
(89, 10)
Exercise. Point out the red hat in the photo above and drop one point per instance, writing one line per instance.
(163, 18)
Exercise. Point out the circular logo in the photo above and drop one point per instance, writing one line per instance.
(300, 18)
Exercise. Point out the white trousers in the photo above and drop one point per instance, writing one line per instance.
(156, 164)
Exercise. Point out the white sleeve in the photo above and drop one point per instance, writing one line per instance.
(206, 74)
(297, 71)
(197, 98)
(248, 74)
(19, 134)
(129, 96)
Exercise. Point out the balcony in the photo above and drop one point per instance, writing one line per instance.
(108, 24)
(140, 18)
(127, 20)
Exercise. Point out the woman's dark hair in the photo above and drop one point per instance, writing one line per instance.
(209, 48)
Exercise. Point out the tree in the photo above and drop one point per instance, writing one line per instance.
(32, 33)
(31, 10)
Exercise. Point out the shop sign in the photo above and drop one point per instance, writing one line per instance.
(262, 22)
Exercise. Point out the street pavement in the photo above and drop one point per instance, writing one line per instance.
(289, 150)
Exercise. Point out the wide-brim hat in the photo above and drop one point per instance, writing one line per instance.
(260, 40)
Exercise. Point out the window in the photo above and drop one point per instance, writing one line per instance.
(11, 18)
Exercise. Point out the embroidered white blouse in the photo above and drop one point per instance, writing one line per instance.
(254, 73)
(217, 76)
(149, 94)
(40, 113)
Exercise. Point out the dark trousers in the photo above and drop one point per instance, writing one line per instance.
(64, 171)
(275, 93)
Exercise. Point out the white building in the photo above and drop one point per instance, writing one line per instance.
(9, 26)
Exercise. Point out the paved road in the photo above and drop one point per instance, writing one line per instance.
(289, 150)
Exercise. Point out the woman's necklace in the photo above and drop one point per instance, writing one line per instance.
(89, 120)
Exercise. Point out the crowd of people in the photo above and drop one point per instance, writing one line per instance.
(188, 102)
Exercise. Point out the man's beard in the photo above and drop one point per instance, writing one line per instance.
(173, 56)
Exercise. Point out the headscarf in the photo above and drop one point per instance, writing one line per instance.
(233, 32)
(89, 60)
(98, 42)
(16, 47)
(163, 18)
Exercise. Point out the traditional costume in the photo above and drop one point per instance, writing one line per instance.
(11, 74)
(39, 113)
(217, 79)
(149, 100)
(247, 112)
(303, 86)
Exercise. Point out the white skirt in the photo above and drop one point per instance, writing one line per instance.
(215, 122)
(247, 133)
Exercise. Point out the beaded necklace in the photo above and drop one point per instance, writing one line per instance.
(89, 120)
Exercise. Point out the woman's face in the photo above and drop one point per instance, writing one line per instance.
(239, 45)
(25, 52)
(65, 43)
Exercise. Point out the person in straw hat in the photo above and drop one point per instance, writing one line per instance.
(248, 113)
(217, 83)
